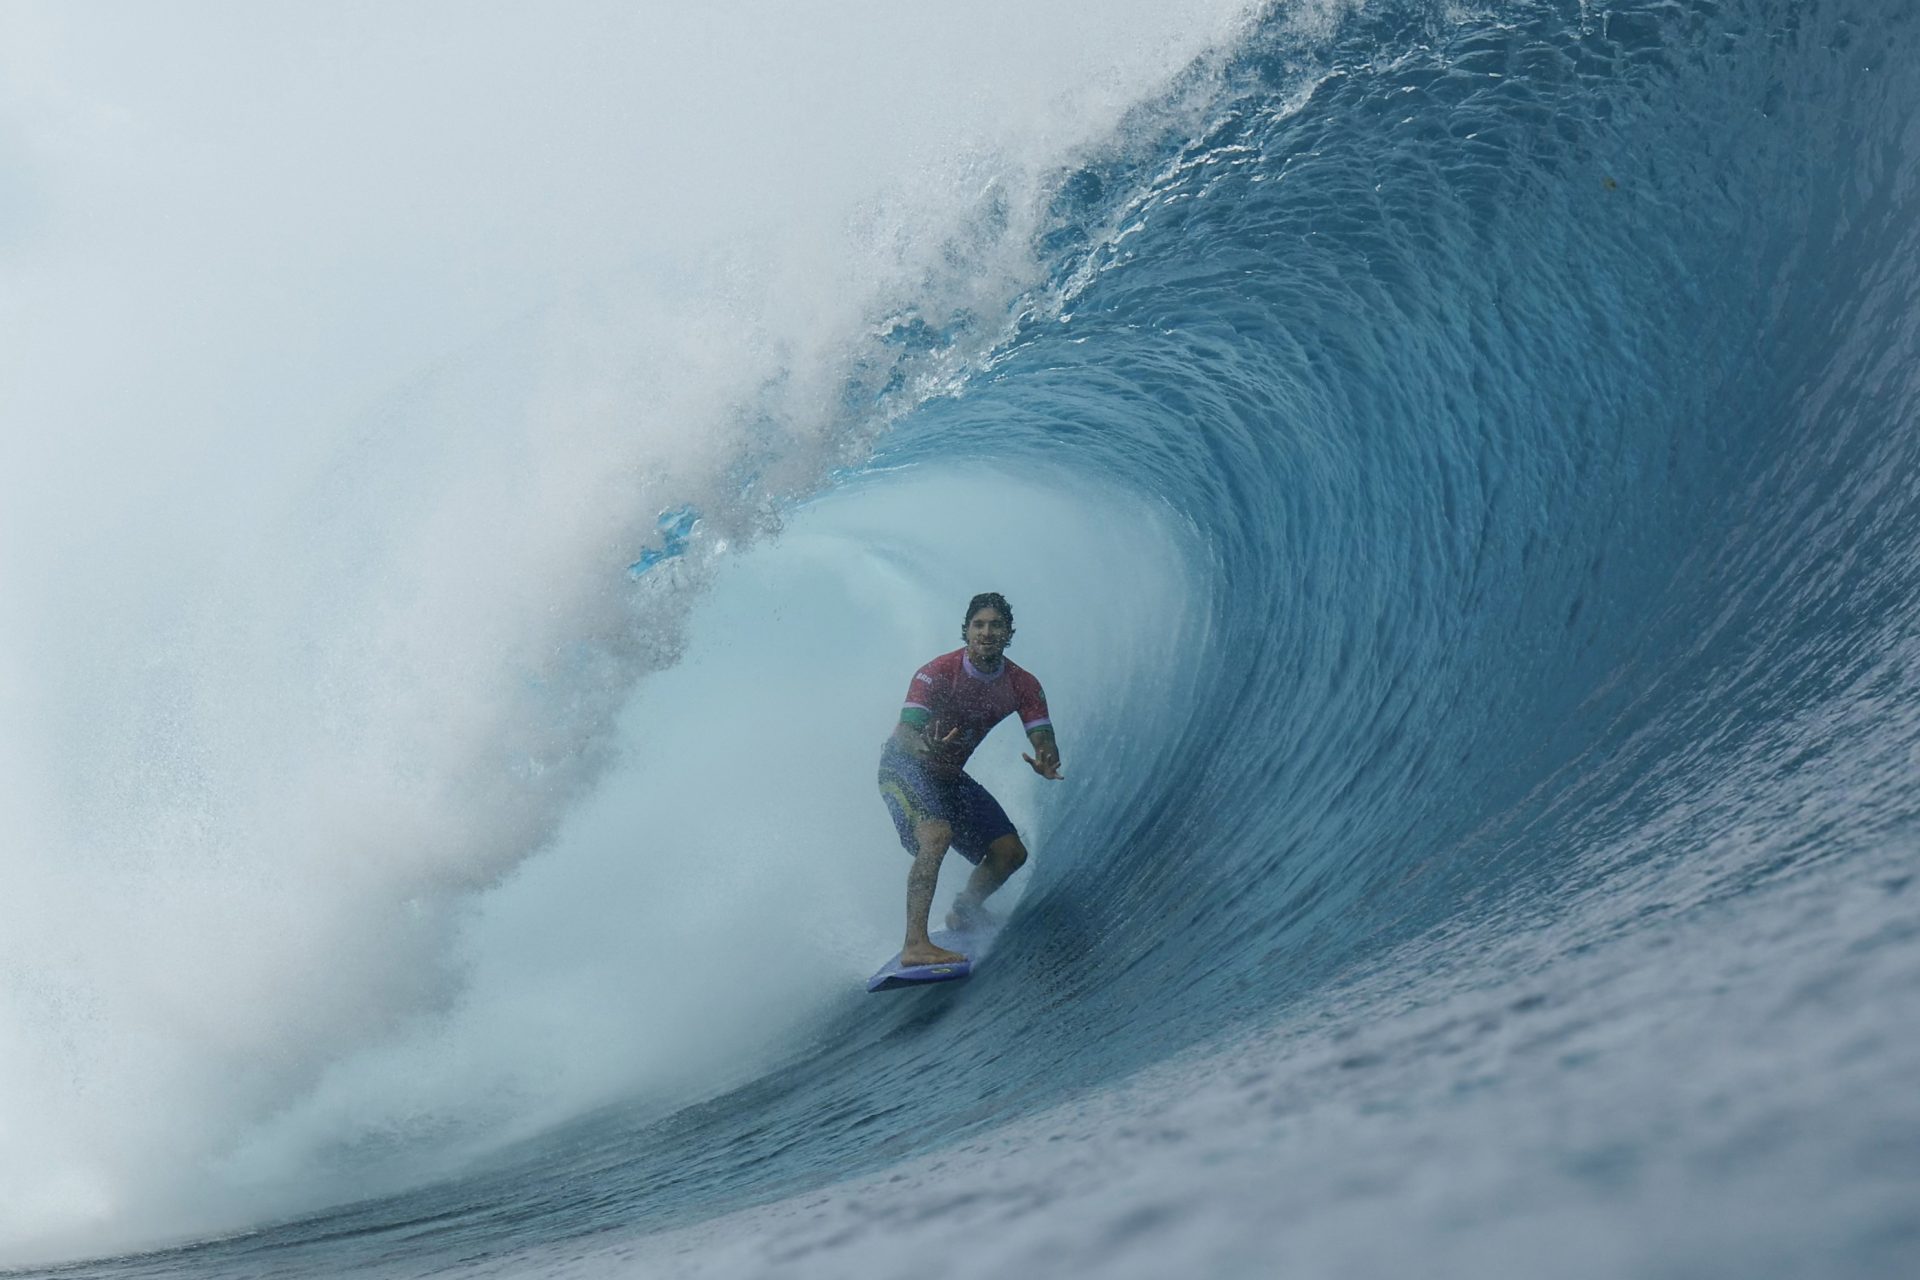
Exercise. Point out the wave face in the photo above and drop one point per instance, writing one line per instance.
(1492, 699)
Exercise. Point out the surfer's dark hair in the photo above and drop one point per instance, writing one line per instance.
(988, 600)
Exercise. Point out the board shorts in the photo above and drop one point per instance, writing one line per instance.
(914, 795)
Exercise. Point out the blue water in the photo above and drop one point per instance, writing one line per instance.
(1502, 860)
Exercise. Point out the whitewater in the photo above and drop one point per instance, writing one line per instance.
(474, 485)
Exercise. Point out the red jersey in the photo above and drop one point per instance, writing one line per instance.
(958, 695)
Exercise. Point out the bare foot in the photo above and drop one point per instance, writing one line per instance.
(928, 954)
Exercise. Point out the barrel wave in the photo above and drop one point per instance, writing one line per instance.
(1457, 472)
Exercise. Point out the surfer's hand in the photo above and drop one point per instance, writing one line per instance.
(1045, 766)
(929, 742)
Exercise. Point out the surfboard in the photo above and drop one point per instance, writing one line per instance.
(971, 943)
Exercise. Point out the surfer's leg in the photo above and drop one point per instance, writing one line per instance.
(920, 809)
(985, 835)
(933, 837)
(1004, 857)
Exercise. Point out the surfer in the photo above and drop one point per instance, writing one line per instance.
(951, 704)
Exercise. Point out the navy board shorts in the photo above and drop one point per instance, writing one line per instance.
(914, 795)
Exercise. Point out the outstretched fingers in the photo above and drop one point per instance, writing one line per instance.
(1049, 769)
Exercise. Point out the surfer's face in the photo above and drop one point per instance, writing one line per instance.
(987, 635)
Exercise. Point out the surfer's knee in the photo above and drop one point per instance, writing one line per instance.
(1008, 854)
(934, 837)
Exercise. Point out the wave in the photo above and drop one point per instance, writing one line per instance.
(1450, 469)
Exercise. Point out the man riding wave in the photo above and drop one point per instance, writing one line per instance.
(951, 703)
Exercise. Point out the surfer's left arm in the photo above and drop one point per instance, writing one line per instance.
(1046, 753)
(1035, 719)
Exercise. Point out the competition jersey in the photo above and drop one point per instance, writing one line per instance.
(958, 695)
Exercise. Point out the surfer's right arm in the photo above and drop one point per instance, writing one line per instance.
(911, 732)
(914, 732)
(916, 715)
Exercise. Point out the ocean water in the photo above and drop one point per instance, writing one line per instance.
(1456, 469)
